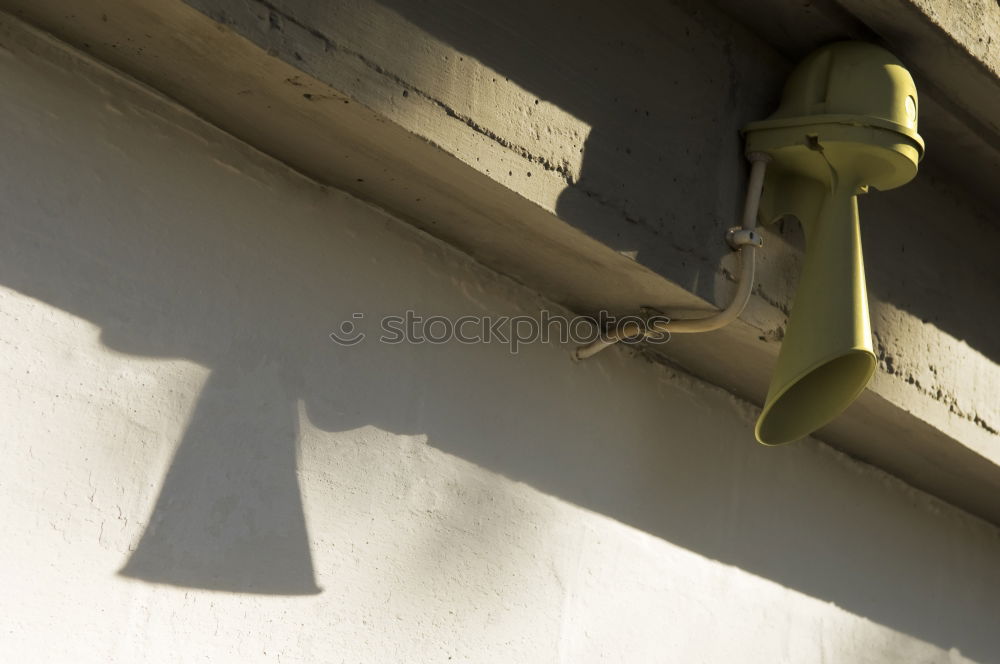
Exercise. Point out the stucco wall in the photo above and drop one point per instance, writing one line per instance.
(428, 109)
(193, 471)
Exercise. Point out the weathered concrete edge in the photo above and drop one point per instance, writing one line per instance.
(359, 141)
(934, 35)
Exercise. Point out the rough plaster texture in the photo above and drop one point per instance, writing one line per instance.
(467, 120)
(194, 472)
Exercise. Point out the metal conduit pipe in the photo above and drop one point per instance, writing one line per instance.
(745, 239)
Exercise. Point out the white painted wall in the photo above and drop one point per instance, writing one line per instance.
(192, 471)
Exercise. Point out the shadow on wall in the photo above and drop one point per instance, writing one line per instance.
(661, 175)
(248, 277)
(229, 515)
(666, 88)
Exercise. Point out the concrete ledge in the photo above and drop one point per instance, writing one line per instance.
(590, 184)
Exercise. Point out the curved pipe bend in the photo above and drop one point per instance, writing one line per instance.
(747, 252)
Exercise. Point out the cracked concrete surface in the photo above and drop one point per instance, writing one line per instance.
(594, 155)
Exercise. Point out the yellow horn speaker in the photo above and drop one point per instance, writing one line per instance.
(847, 122)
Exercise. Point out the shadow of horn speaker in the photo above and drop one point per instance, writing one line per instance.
(847, 124)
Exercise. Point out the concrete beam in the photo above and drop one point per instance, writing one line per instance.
(595, 156)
